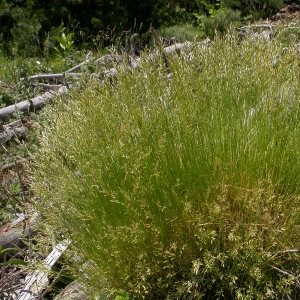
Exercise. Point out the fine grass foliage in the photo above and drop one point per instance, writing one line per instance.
(185, 188)
(289, 33)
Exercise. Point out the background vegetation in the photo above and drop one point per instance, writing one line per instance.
(50, 36)
(28, 26)
(184, 188)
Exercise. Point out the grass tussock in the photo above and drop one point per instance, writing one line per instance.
(185, 188)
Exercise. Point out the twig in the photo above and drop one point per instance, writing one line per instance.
(125, 52)
(289, 251)
(130, 58)
(24, 200)
(232, 224)
(2, 278)
(285, 273)
(160, 47)
(12, 282)
(156, 38)
(122, 49)
(288, 274)
(77, 67)
(58, 75)
(21, 183)
(52, 284)
(10, 195)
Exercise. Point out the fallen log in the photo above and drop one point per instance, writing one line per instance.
(39, 102)
(47, 76)
(54, 76)
(37, 281)
(61, 75)
(30, 105)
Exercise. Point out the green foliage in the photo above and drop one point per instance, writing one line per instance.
(219, 21)
(21, 27)
(16, 262)
(24, 23)
(256, 8)
(182, 33)
(185, 188)
(2, 251)
(12, 261)
(14, 86)
(65, 43)
(121, 295)
(211, 8)
(6, 214)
